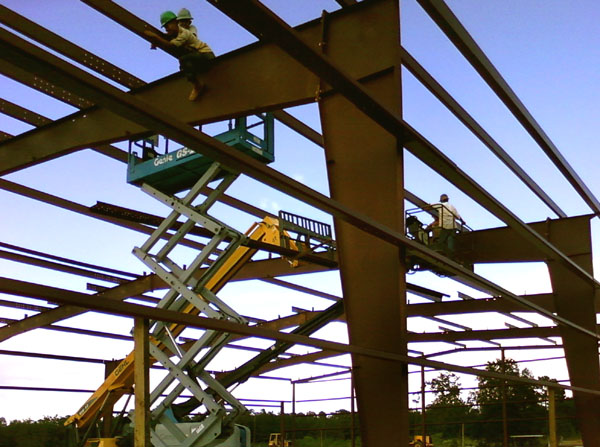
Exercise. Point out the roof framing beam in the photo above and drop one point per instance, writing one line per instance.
(22, 114)
(464, 117)
(59, 93)
(462, 40)
(30, 29)
(35, 59)
(488, 334)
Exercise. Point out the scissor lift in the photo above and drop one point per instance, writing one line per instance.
(177, 170)
(193, 287)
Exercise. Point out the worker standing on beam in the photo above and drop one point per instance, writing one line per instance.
(196, 54)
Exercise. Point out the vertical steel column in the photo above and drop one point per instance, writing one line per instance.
(504, 415)
(293, 413)
(365, 171)
(282, 424)
(574, 299)
(551, 419)
(142, 385)
(423, 422)
(352, 412)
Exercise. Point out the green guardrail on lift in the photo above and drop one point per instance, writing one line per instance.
(179, 169)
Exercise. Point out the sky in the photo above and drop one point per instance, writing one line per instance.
(547, 50)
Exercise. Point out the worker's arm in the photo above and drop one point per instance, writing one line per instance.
(157, 39)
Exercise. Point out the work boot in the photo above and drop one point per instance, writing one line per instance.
(197, 90)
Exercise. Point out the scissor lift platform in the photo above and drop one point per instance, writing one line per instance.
(179, 169)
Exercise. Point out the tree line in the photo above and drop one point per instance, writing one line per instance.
(478, 414)
(481, 413)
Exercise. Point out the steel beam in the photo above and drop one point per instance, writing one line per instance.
(229, 95)
(43, 355)
(369, 267)
(575, 299)
(42, 85)
(30, 260)
(73, 262)
(296, 360)
(20, 113)
(71, 330)
(464, 117)
(462, 40)
(63, 73)
(544, 300)
(504, 244)
(30, 29)
(488, 334)
(260, 21)
(15, 287)
(37, 120)
(123, 17)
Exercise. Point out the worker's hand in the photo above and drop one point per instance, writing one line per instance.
(150, 34)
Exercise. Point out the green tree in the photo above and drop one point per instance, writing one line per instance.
(523, 403)
(448, 409)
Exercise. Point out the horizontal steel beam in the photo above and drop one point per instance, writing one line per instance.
(488, 334)
(479, 305)
(73, 262)
(22, 114)
(59, 267)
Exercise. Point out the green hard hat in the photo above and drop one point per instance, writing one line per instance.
(166, 17)
(184, 14)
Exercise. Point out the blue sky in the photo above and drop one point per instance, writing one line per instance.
(547, 50)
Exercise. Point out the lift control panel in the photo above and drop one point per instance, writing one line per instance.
(177, 170)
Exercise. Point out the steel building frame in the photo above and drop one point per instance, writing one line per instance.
(315, 59)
